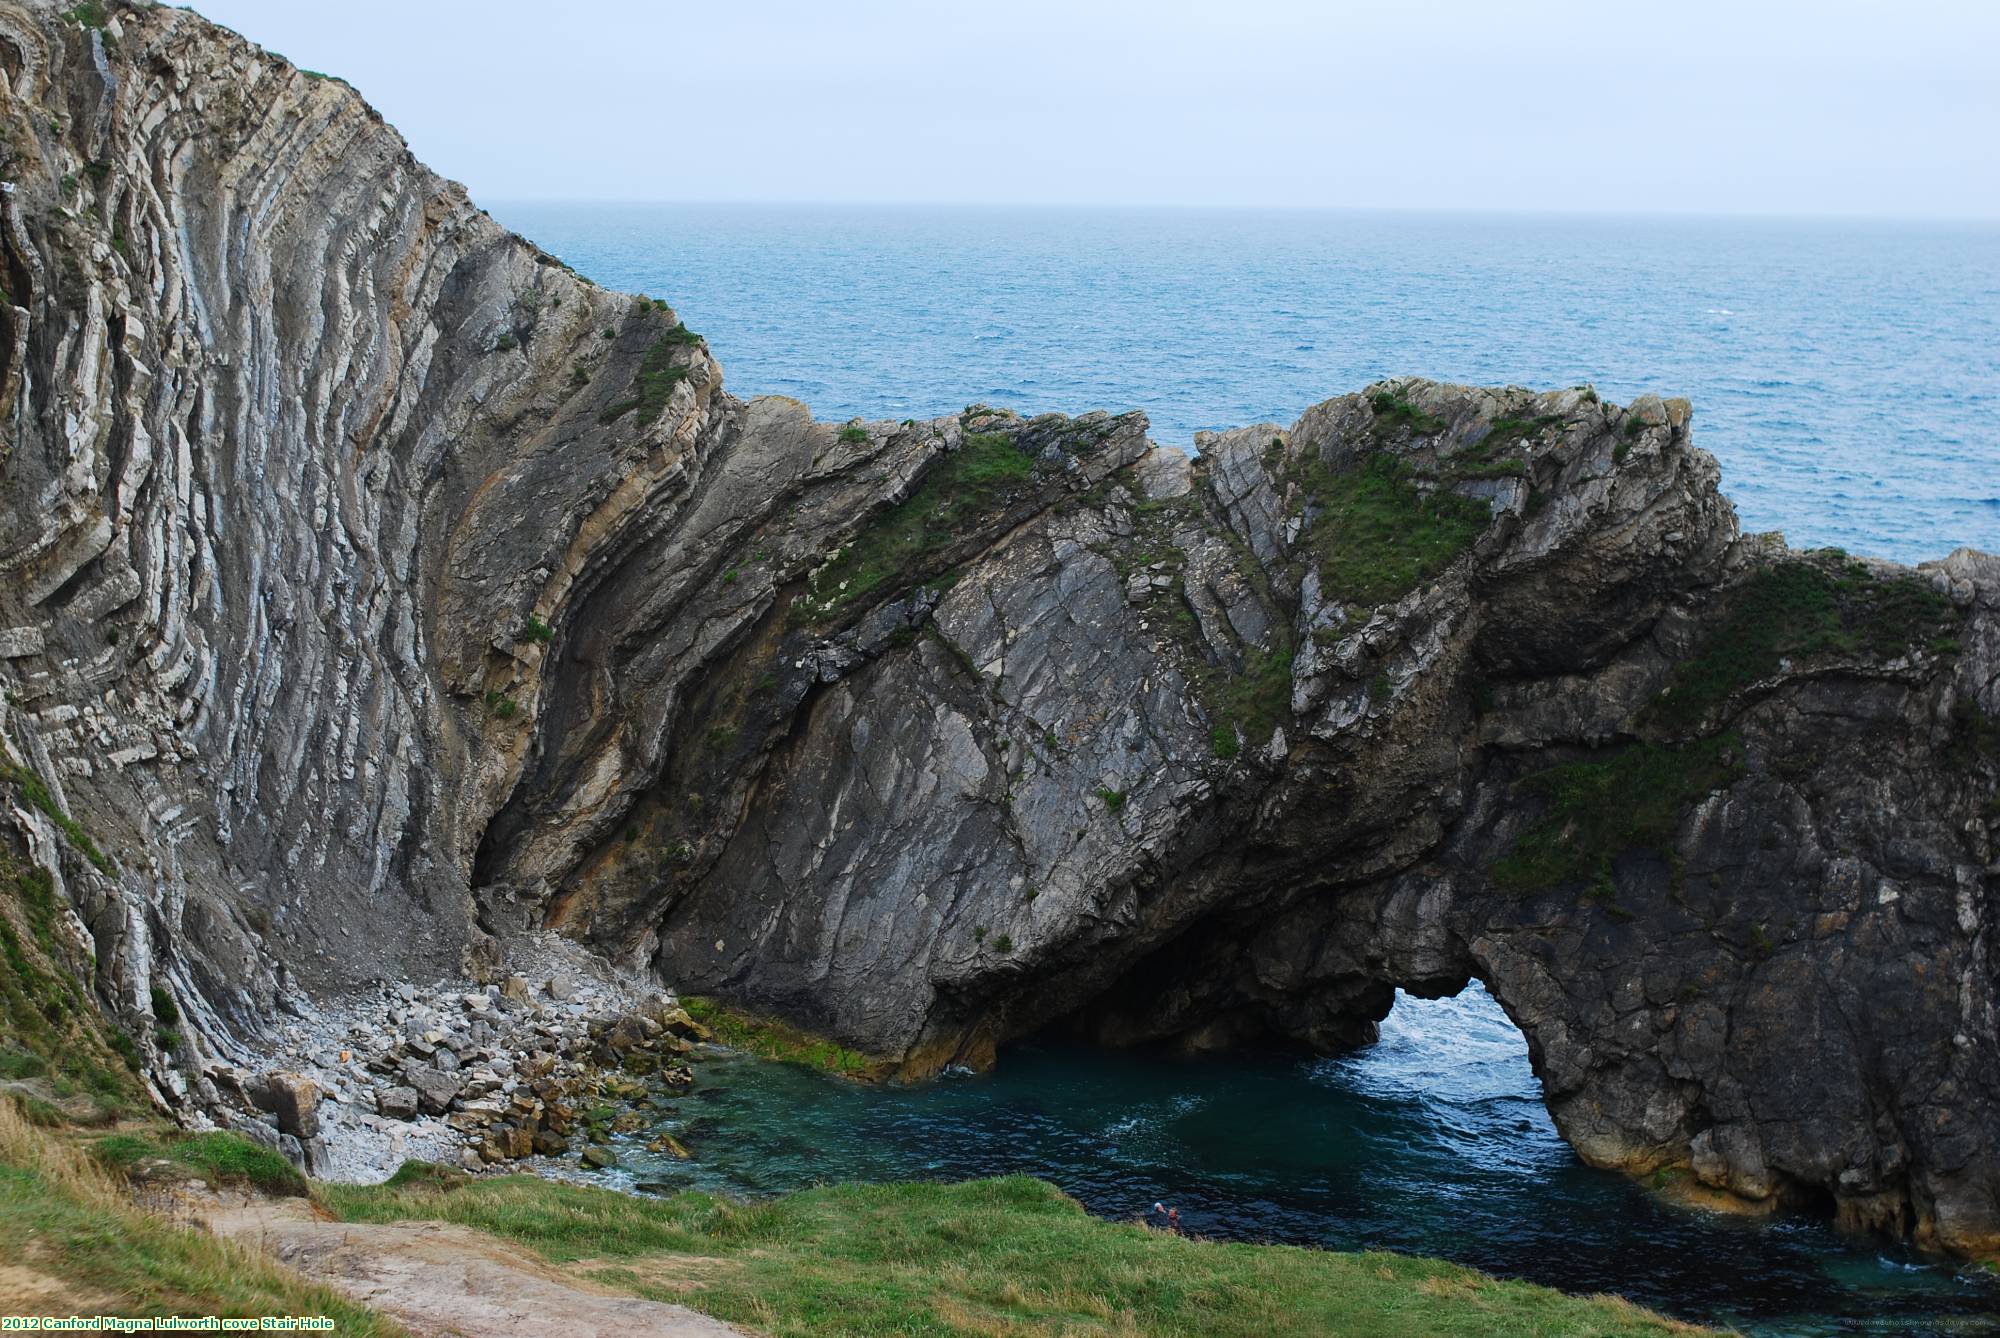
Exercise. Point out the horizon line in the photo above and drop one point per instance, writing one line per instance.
(1470, 211)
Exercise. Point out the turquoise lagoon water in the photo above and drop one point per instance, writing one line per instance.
(1846, 375)
(1433, 1141)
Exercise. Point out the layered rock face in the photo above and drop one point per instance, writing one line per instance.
(376, 589)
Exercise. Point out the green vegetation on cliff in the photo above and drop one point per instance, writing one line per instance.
(1601, 807)
(1378, 534)
(653, 384)
(1012, 1256)
(780, 1041)
(1797, 608)
(52, 1036)
(37, 793)
(964, 489)
(1246, 705)
(74, 1241)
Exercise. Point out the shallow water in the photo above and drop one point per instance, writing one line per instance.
(1432, 1142)
(1846, 374)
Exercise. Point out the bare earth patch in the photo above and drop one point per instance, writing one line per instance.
(442, 1279)
(29, 1292)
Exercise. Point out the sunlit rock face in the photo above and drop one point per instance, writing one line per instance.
(376, 589)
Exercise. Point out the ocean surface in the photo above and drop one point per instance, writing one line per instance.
(1846, 375)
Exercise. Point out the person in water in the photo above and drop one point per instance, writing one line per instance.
(1164, 1218)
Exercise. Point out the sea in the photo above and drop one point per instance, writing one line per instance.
(1845, 374)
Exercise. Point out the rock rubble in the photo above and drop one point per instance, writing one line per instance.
(463, 1074)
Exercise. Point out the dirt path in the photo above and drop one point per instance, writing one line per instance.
(440, 1279)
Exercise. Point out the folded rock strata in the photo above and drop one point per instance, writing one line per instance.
(374, 590)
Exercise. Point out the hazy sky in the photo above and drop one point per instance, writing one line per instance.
(1743, 106)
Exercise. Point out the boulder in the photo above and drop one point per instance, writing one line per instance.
(667, 1143)
(435, 1089)
(398, 1103)
(294, 1099)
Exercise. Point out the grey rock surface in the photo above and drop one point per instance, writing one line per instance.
(375, 592)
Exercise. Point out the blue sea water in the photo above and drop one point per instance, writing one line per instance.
(1847, 376)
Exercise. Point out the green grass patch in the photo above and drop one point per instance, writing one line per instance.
(37, 793)
(425, 1174)
(1247, 705)
(1797, 609)
(1010, 1256)
(653, 384)
(1599, 808)
(1491, 456)
(19, 1064)
(1378, 535)
(853, 436)
(225, 1157)
(1394, 413)
(217, 1157)
(768, 1038)
(964, 490)
(64, 1219)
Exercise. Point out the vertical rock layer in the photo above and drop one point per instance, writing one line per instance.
(372, 587)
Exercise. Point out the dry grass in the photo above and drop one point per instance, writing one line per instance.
(64, 1220)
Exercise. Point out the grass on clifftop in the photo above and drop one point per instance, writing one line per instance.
(987, 1257)
(73, 1241)
(653, 384)
(1798, 608)
(1377, 535)
(964, 488)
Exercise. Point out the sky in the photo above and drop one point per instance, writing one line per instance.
(1746, 107)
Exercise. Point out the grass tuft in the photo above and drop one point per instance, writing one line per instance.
(964, 490)
(770, 1039)
(1377, 535)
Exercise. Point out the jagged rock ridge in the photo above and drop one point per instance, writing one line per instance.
(375, 588)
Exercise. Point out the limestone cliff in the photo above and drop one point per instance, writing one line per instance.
(376, 589)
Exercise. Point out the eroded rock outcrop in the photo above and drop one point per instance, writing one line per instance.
(375, 590)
